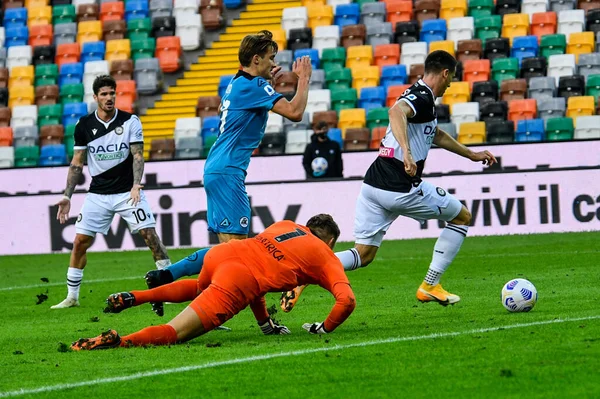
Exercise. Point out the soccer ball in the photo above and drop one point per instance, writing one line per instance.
(319, 166)
(519, 295)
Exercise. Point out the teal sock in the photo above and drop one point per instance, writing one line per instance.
(189, 266)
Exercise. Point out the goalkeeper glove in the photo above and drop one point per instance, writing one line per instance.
(269, 327)
(315, 328)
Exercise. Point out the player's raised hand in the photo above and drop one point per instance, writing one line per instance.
(409, 164)
(315, 328)
(269, 327)
(64, 206)
(486, 157)
(302, 67)
(135, 194)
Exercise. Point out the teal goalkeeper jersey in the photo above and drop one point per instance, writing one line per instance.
(244, 112)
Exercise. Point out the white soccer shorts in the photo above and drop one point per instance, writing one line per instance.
(377, 209)
(98, 211)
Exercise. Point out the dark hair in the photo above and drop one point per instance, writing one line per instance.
(103, 81)
(439, 60)
(257, 44)
(324, 227)
(321, 125)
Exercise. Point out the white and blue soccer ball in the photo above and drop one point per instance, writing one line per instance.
(319, 166)
(519, 295)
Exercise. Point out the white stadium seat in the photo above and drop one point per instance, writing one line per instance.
(465, 112)
(571, 21)
(24, 115)
(334, 3)
(561, 65)
(534, 6)
(294, 18)
(91, 70)
(461, 29)
(413, 53)
(326, 37)
(185, 7)
(296, 141)
(7, 157)
(2, 36)
(318, 100)
(187, 127)
(274, 123)
(18, 56)
(587, 127)
(190, 31)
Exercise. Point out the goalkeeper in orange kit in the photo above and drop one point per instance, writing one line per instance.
(238, 274)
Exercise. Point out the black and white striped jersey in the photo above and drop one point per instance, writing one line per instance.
(387, 172)
(108, 156)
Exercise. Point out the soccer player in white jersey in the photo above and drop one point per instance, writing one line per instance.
(393, 185)
(114, 142)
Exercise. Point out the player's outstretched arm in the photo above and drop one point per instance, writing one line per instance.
(294, 110)
(137, 151)
(398, 122)
(444, 140)
(73, 177)
(266, 324)
(343, 308)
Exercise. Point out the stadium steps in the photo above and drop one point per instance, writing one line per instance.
(202, 78)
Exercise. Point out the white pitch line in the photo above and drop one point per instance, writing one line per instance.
(60, 387)
(42, 285)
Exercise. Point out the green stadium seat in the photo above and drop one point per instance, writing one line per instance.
(559, 129)
(71, 93)
(143, 48)
(488, 27)
(49, 115)
(592, 87)
(553, 44)
(208, 143)
(333, 58)
(378, 117)
(481, 8)
(63, 14)
(505, 68)
(69, 140)
(139, 28)
(343, 98)
(27, 156)
(46, 74)
(338, 78)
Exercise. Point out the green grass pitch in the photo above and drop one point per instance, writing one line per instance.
(391, 347)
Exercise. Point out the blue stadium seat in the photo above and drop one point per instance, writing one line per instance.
(433, 30)
(15, 17)
(72, 112)
(93, 51)
(53, 155)
(223, 83)
(17, 36)
(70, 74)
(530, 130)
(233, 3)
(393, 75)
(372, 97)
(311, 52)
(210, 127)
(524, 47)
(346, 14)
(136, 9)
(335, 134)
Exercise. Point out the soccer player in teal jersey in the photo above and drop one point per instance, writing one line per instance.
(244, 112)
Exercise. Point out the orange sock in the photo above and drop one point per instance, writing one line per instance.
(155, 335)
(177, 292)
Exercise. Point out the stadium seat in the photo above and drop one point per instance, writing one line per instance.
(161, 8)
(148, 76)
(43, 55)
(114, 30)
(25, 136)
(457, 93)
(534, 67)
(93, 51)
(40, 35)
(169, 53)
(488, 27)
(87, 12)
(329, 117)
(296, 141)
(461, 29)
(272, 144)
(163, 27)
(493, 111)
(304, 124)
(398, 11)
(392, 75)
(65, 33)
(190, 147)
(353, 35)
(499, 132)
(142, 48)
(458, 72)
(515, 25)
(71, 94)
(18, 56)
(26, 156)
(21, 76)
(592, 86)
(543, 24)
(449, 128)
(212, 14)
(51, 135)
(380, 34)
(387, 54)
(311, 53)
(471, 133)
(4, 116)
(406, 32)
(122, 70)
(551, 108)
(346, 14)
(225, 79)
(70, 74)
(534, 6)
(326, 37)
(394, 92)
(294, 17)
(24, 115)
(343, 99)
(467, 50)
(377, 136)
(496, 48)
(581, 43)
(284, 59)
(126, 95)
(576, 107)
(46, 95)
(372, 97)
(182, 7)
(588, 5)
(481, 8)
(592, 23)
(140, 28)
(136, 9)
(53, 155)
(588, 64)
(300, 38)
(187, 127)
(3, 77)
(67, 53)
(504, 7)
(377, 117)
(413, 53)
(542, 87)
(4, 97)
(63, 14)
(476, 71)
(208, 106)
(335, 134)
(356, 139)
(570, 21)
(118, 50)
(91, 70)
(16, 36)
(559, 129)
(162, 149)
(465, 112)
(274, 123)
(15, 17)
(561, 65)
(89, 31)
(359, 56)
(351, 118)
(446, 45)
(524, 47)
(433, 30)
(21, 95)
(112, 11)
(2, 55)
(319, 15)
(522, 109)
(587, 127)
(484, 92)
(505, 68)
(338, 78)
(450, 9)
(513, 89)
(426, 9)
(365, 77)
(7, 155)
(210, 128)
(530, 130)
(553, 45)
(318, 100)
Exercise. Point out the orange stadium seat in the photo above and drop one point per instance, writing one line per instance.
(522, 109)
(387, 54)
(377, 134)
(112, 11)
(6, 136)
(40, 35)
(543, 23)
(126, 95)
(319, 15)
(453, 9)
(399, 11)
(476, 71)
(67, 53)
(394, 92)
(169, 52)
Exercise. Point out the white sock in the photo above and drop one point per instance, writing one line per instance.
(74, 277)
(162, 263)
(444, 251)
(350, 259)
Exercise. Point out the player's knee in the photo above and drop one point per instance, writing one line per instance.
(81, 243)
(367, 255)
(463, 218)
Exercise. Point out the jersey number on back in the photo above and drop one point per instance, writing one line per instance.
(224, 111)
(290, 235)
